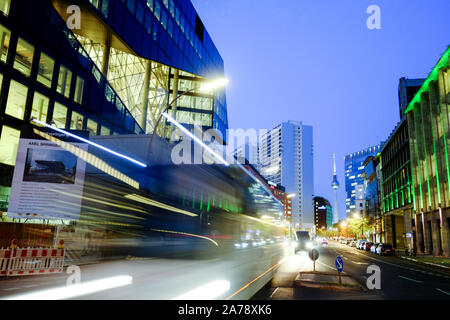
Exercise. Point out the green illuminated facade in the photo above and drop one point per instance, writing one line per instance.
(428, 123)
(397, 188)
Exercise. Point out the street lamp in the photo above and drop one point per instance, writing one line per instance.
(206, 86)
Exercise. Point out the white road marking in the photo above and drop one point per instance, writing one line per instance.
(360, 262)
(9, 289)
(447, 293)
(323, 264)
(418, 281)
(273, 292)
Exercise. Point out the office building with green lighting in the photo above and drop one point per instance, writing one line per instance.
(397, 187)
(428, 126)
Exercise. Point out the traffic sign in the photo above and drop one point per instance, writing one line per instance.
(339, 264)
(313, 254)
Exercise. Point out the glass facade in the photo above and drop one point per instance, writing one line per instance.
(168, 41)
(73, 82)
(353, 169)
(396, 169)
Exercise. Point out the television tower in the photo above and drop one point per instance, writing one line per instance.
(335, 186)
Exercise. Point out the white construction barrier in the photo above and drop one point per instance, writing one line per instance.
(5, 255)
(31, 261)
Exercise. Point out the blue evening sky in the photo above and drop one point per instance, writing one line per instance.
(316, 61)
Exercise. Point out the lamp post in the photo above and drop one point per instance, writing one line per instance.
(290, 196)
(209, 85)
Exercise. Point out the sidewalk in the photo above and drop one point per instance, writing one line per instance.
(441, 262)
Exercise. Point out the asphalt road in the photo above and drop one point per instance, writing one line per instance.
(400, 278)
(156, 278)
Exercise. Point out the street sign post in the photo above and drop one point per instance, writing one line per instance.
(314, 255)
(339, 267)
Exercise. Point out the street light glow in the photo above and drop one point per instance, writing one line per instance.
(291, 195)
(214, 84)
(182, 128)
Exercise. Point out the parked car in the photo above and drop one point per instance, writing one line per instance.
(358, 244)
(353, 243)
(373, 248)
(385, 249)
(367, 245)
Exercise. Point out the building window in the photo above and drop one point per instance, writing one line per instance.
(24, 57)
(150, 4)
(45, 72)
(17, 98)
(64, 81)
(4, 6)
(9, 141)
(157, 11)
(76, 122)
(79, 90)
(92, 126)
(59, 115)
(5, 36)
(40, 107)
(105, 131)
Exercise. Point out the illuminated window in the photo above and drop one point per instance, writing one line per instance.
(64, 81)
(79, 90)
(59, 115)
(76, 122)
(9, 141)
(17, 98)
(40, 107)
(24, 57)
(5, 36)
(45, 72)
(105, 131)
(92, 126)
(4, 6)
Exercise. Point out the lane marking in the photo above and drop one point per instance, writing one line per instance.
(404, 267)
(447, 293)
(261, 275)
(360, 262)
(418, 281)
(276, 289)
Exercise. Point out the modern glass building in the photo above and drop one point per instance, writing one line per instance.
(354, 181)
(114, 73)
(151, 51)
(428, 117)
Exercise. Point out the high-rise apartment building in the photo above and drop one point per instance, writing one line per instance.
(286, 158)
(248, 153)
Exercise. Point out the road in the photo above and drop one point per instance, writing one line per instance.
(166, 279)
(157, 278)
(400, 278)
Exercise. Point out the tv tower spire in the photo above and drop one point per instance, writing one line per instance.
(335, 186)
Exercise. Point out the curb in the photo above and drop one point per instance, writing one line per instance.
(327, 285)
(423, 262)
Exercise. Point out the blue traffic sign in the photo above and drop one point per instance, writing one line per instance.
(339, 264)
